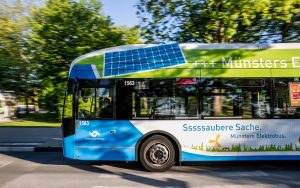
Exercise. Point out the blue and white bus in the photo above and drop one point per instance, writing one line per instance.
(171, 103)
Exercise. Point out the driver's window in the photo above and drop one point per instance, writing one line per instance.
(95, 103)
(86, 103)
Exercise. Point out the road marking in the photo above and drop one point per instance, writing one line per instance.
(56, 138)
(19, 144)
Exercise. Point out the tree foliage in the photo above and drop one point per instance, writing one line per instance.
(283, 20)
(219, 20)
(63, 30)
(38, 44)
(15, 69)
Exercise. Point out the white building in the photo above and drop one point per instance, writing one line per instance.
(7, 105)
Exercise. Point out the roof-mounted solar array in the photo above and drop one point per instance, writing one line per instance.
(143, 59)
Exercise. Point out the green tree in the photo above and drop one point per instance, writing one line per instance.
(63, 30)
(130, 35)
(15, 68)
(283, 20)
(216, 21)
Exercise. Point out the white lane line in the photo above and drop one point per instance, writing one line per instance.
(19, 144)
(56, 138)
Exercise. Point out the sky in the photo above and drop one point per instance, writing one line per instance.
(122, 12)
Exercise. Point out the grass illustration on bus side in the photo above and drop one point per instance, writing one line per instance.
(244, 148)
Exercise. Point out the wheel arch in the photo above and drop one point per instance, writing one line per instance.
(168, 135)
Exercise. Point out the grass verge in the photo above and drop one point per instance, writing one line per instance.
(33, 120)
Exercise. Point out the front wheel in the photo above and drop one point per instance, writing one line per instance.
(157, 154)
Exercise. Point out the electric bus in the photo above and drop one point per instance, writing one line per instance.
(163, 104)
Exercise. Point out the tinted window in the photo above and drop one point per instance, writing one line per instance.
(282, 105)
(68, 101)
(188, 98)
(230, 98)
(156, 99)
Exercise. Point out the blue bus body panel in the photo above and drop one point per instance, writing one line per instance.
(69, 146)
(82, 72)
(106, 140)
(116, 140)
(186, 156)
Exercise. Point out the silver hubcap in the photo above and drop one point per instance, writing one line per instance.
(158, 154)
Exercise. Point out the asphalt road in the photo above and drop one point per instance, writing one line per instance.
(29, 134)
(29, 138)
(42, 169)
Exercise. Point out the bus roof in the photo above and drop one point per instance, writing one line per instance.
(189, 60)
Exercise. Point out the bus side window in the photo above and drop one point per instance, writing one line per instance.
(68, 101)
(236, 98)
(282, 101)
(68, 106)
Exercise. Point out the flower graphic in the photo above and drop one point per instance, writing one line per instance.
(216, 141)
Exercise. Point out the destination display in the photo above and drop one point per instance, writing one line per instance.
(137, 84)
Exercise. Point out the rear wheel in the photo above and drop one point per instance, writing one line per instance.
(157, 154)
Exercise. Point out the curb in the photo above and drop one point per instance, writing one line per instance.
(48, 149)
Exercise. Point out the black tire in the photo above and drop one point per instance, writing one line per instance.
(157, 154)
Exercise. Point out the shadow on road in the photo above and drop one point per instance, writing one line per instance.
(126, 171)
(262, 172)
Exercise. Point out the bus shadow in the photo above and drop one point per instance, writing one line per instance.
(232, 173)
(259, 172)
(132, 171)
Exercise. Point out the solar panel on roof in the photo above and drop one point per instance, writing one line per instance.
(143, 59)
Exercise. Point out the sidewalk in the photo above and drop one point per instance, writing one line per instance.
(30, 139)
